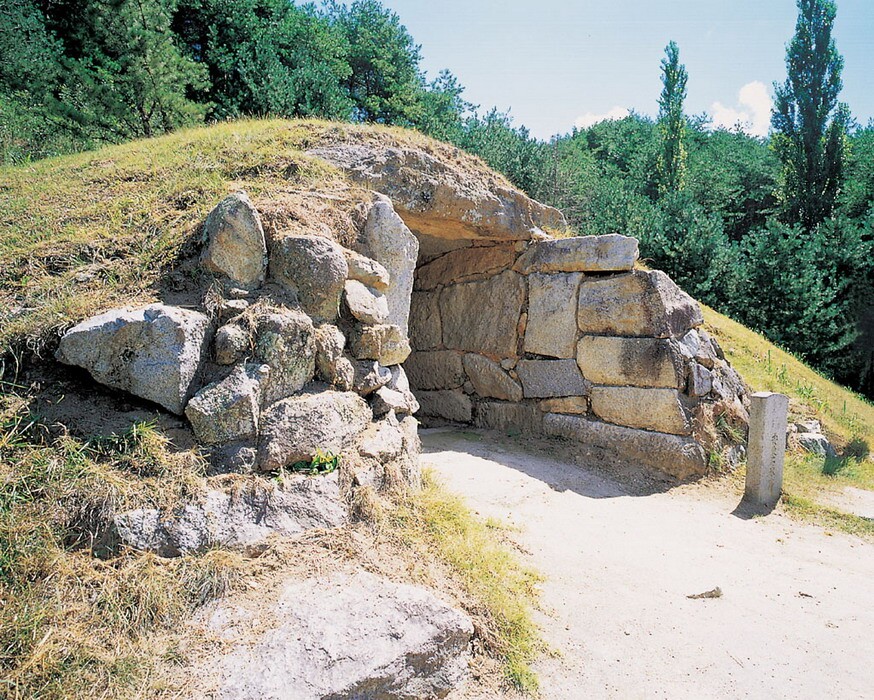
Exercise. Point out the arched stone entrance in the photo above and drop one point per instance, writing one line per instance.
(513, 329)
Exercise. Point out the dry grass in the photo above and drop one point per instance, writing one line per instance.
(500, 592)
(82, 233)
(78, 617)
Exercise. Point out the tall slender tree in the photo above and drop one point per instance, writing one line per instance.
(672, 122)
(810, 125)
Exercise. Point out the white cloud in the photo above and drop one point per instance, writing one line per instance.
(586, 120)
(753, 111)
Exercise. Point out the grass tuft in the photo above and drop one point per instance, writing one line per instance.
(501, 593)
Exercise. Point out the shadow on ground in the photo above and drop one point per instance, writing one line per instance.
(563, 466)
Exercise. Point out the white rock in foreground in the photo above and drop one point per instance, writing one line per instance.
(345, 636)
(243, 517)
(152, 352)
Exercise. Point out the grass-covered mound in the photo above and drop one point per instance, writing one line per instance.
(82, 233)
(80, 616)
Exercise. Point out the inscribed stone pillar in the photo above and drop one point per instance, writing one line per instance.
(767, 447)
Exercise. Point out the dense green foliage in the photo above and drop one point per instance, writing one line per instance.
(776, 232)
(809, 123)
(78, 73)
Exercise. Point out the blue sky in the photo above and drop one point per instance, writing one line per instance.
(555, 63)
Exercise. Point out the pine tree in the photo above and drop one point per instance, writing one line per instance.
(385, 84)
(672, 122)
(810, 124)
(123, 73)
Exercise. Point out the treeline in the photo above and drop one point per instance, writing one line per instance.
(721, 237)
(75, 74)
(785, 251)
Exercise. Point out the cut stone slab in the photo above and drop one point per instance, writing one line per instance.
(466, 326)
(649, 409)
(440, 200)
(285, 340)
(387, 240)
(575, 405)
(637, 304)
(228, 410)
(235, 241)
(365, 304)
(518, 417)
(679, 456)
(243, 518)
(552, 315)
(426, 329)
(438, 369)
(153, 352)
(451, 405)
(385, 343)
(294, 429)
(610, 253)
(367, 271)
(315, 268)
(344, 636)
(489, 380)
(543, 379)
(643, 362)
(465, 265)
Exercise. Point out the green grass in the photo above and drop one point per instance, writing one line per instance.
(829, 518)
(845, 415)
(847, 419)
(501, 593)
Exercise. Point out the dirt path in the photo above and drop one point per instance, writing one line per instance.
(621, 557)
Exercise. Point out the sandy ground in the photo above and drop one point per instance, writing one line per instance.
(622, 554)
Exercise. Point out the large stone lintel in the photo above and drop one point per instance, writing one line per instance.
(610, 253)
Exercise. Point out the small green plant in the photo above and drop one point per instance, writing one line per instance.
(321, 463)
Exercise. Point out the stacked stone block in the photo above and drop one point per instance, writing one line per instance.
(302, 356)
(564, 337)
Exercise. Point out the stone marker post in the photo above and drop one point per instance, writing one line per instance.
(767, 447)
